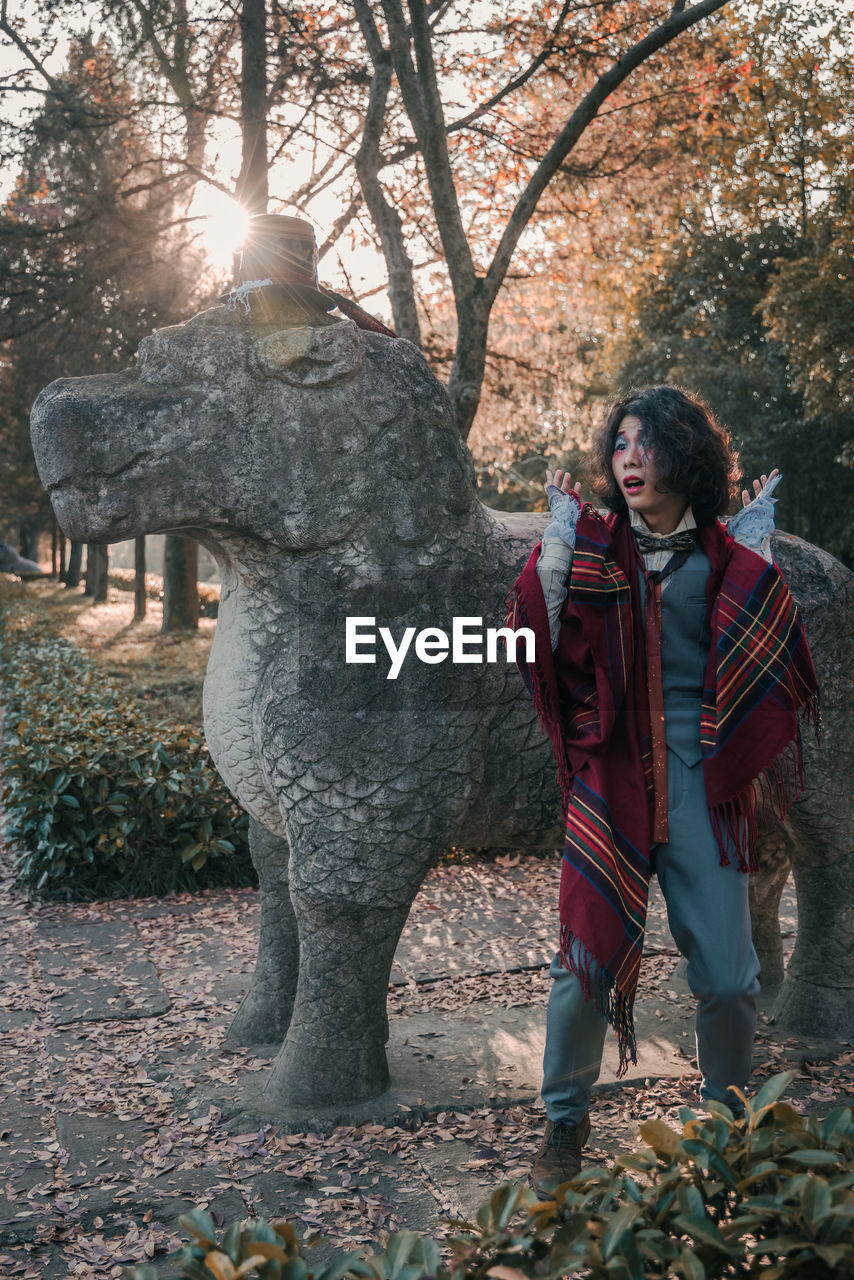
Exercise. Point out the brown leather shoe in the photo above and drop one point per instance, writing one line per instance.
(559, 1156)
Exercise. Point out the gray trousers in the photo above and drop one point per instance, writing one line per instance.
(709, 917)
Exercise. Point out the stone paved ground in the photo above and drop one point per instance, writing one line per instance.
(122, 1105)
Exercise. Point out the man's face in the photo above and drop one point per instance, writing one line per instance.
(637, 476)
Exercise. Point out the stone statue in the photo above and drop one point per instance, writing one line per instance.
(320, 464)
(12, 562)
(818, 837)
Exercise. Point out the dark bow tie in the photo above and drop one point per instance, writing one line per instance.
(684, 541)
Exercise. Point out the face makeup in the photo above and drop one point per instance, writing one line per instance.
(634, 469)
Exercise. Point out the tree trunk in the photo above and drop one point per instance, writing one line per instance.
(28, 540)
(63, 549)
(466, 378)
(54, 549)
(252, 187)
(387, 220)
(75, 561)
(89, 580)
(139, 596)
(180, 584)
(410, 46)
(101, 572)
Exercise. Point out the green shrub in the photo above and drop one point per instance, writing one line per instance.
(98, 802)
(768, 1197)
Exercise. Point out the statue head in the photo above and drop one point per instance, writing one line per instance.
(298, 434)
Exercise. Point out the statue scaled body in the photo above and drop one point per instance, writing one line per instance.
(322, 467)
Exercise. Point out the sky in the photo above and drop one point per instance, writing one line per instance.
(359, 270)
(219, 218)
(355, 269)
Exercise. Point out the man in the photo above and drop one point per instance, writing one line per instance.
(671, 668)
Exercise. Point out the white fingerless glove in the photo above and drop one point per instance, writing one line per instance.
(565, 509)
(755, 522)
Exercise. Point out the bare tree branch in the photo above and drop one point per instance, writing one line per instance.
(385, 217)
(339, 225)
(176, 74)
(7, 29)
(423, 104)
(516, 83)
(581, 117)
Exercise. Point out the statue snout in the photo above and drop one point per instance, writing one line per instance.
(310, 356)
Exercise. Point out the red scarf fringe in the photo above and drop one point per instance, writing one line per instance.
(781, 784)
(598, 986)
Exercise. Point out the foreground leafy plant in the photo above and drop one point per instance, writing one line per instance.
(97, 802)
(768, 1197)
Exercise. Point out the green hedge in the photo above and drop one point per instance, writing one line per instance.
(99, 802)
(768, 1197)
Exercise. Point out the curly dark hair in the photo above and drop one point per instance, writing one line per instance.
(692, 450)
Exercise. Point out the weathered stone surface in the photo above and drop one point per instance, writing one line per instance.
(15, 1019)
(99, 1146)
(323, 469)
(396, 1188)
(445, 1165)
(47, 1262)
(817, 997)
(766, 890)
(27, 1147)
(74, 960)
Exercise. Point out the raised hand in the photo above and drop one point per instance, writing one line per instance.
(564, 484)
(762, 488)
(564, 504)
(755, 522)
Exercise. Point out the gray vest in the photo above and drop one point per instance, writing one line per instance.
(685, 641)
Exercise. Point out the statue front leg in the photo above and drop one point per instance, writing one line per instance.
(817, 997)
(774, 851)
(335, 1047)
(265, 1013)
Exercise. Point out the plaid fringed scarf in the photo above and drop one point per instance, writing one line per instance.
(592, 701)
